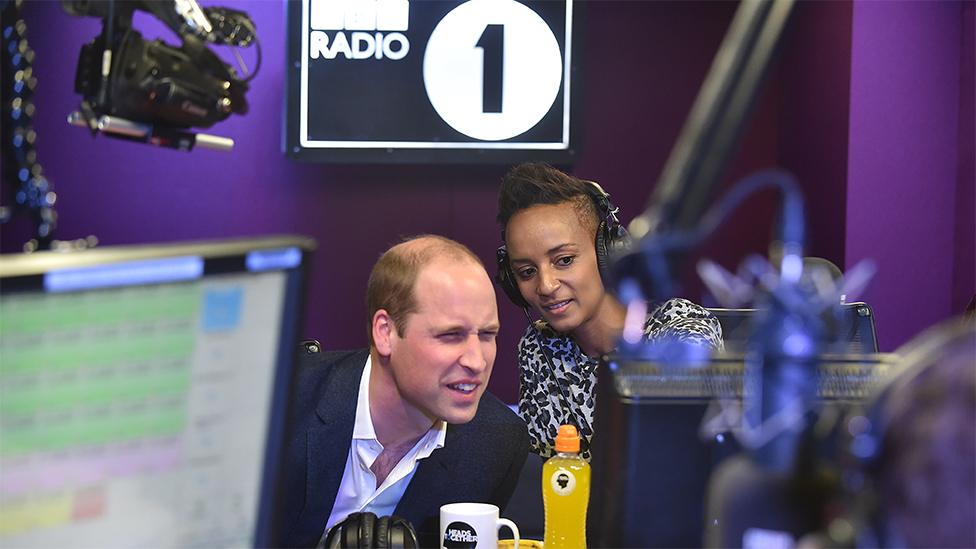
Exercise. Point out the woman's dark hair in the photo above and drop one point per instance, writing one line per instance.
(533, 183)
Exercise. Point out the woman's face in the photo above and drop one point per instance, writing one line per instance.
(553, 256)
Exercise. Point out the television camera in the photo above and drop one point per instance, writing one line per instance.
(153, 92)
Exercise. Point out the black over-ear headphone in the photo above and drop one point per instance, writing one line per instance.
(611, 237)
(365, 531)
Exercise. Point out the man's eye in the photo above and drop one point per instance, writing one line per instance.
(450, 336)
(565, 260)
(487, 336)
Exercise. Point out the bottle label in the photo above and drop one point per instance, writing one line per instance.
(563, 482)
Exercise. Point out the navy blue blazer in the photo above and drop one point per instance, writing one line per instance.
(480, 460)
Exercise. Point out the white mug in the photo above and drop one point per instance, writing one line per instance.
(473, 526)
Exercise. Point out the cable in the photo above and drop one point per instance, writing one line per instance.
(257, 64)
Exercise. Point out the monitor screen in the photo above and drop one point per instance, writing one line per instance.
(850, 328)
(142, 392)
(431, 81)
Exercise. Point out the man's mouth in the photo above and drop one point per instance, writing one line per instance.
(465, 388)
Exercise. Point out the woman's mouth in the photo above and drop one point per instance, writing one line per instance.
(558, 306)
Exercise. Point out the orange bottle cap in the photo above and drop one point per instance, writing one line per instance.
(568, 439)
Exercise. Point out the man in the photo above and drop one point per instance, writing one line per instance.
(405, 426)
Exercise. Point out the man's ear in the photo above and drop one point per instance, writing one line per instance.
(384, 331)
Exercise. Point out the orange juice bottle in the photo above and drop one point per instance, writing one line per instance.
(566, 493)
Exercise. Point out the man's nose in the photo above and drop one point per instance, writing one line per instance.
(473, 357)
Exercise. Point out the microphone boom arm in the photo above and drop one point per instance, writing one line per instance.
(717, 118)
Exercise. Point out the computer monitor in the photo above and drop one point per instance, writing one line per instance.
(142, 392)
(852, 328)
(653, 454)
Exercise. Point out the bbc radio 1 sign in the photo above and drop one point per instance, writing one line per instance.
(430, 80)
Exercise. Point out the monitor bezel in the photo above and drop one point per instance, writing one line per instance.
(21, 273)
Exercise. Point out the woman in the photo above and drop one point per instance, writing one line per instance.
(553, 225)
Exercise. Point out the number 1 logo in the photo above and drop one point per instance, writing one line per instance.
(492, 69)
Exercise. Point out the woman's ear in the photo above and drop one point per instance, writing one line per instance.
(384, 331)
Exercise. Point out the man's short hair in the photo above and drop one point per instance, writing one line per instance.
(394, 276)
(927, 470)
(534, 183)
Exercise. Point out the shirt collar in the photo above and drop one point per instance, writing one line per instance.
(363, 427)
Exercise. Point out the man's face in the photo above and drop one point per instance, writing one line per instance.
(442, 361)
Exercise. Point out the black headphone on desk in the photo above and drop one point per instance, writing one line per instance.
(366, 531)
(611, 237)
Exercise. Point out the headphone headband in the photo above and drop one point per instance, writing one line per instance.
(606, 210)
(367, 531)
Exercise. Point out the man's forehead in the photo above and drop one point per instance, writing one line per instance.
(451, 292)
(432, 317)
(434, 272)
(435, 288)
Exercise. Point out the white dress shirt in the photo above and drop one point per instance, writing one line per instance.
(358, 490)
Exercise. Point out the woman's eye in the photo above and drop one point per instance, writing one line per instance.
(565, 260)
(526, 273)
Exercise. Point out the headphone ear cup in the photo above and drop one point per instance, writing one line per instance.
(343, 534)
(381, 534)
(367, 531)
(333, 538)
(402, 534)
(611, 236)
(609, 240)
(506, 278)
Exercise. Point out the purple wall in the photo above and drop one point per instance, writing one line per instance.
(964, 279)
(903, 159)
(643, 62)
(815, 110)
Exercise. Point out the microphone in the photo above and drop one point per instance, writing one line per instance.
(774, 493)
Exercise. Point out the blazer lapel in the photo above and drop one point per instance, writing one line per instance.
(432, 485)
(327, 444)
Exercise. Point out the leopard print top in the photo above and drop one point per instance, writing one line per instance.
(542, 390)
